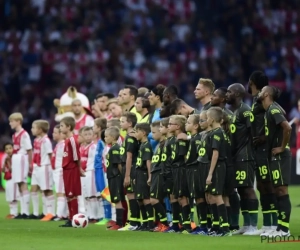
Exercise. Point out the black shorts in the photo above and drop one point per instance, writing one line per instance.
(262, 170)
(204, 169)
(229, 183)
(168, 186)
(218, 180)
(131, 187)
(193, 175)
(157, 186)
(243, 173)
(281, 171)
(142, 190)
(180, 187)
(116, 189)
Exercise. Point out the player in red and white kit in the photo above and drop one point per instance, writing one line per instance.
(21, 161)
(41, 178)
(81, 117)
(56, 162)
(71, 168)
(88, 151)
(11, 188)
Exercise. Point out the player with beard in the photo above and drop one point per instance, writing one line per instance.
(129, 95)
(278, 132)
(203, 92)
(243, 157)
(230, 196)
(268, 201)
(180, 107)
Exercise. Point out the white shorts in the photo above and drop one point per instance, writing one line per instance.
(42, 176)
(89, 184)
(58, 180)
(11, 191)
(20, 168)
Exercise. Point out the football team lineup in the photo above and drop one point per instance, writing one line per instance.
(147, 161)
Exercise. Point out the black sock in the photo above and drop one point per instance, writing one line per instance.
(144, 220)
(176, 213)
(216, 217)
(150, 215)
(223, 217)
(234, 201)
(156, 216)
(245, 212)
(273, 208)
(186, 210)
(265, 206)
(209, 216)
(134, 208)
(202, 214)
(119, 216)
(161, 212)
(253, 211)
(191, 202)
(284, 208)
(138, 212)
(228, 210)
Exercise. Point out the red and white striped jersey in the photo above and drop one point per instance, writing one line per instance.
(87, 155)
(84, 120)
(57, 156)
(21, 142)
(41, 149)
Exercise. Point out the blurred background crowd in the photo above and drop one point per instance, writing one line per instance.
(100, 45)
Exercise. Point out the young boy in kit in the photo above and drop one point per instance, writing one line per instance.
(104, 207)
(180, 189)
(157, 193)
(87, 164)
(56, 162)
(143, 176)
(114, 175)
(42, 172)
(81, 201)
(71, 168)
(21, 161)
(128, 152)
(217, 172)
(11, 188)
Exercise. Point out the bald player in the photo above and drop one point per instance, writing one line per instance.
(243, 157)
(180, 107)
(204, 91)
(278, 132)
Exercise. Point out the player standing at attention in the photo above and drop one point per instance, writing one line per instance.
(80, 198)
(71, 168)
(114, 175)
(157, 193)
(128, 154)
(11, 188)
(141, 109)
(129, 95)
(81, 117)
(179, 152)
(278, 132)
(204, 91)
(217, 172)
(143, 176)
(42, 178)
(243, 157)
(268, 200)
(21, 161)
(87, 164)
(56, 162)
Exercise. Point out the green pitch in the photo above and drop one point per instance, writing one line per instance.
(36, 235)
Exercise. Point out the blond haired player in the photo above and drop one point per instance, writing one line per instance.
(87, 163)
(56, 162)
(21, 161)
(42, 172)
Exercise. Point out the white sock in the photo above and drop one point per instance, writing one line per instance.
(21, 203)
(88, 209)
(44, 204)
(13, 208)
(26, 201)
(81, 205)
(99, 203)
(50, 200)
(61, 207)
(113, 213)
(94, 208)
(35, 203)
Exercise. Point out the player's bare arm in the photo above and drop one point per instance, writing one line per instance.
(128, 169)
(82, 174)
(214, 160)
(148, 163)
(29, 153)
(286, 134)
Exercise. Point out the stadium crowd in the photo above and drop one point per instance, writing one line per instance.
(100, 45)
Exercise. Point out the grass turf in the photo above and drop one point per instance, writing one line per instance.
(36, 235)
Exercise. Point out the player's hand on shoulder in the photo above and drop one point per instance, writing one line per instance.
(259, 140)
(182, 136)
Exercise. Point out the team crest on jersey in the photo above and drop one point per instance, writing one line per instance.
(65, 154)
